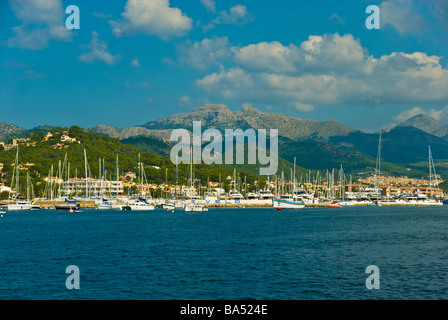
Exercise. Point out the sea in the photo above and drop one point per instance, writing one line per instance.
(350, 253)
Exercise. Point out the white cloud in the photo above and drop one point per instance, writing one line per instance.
(237, 15)
(327, 70)
(303, 107)
(202, 55)
(152, 17)
(42, 21)
(267, 57)
(403, 16)
(98, 50)
(415, 111)
(318, 54)
(210, 5)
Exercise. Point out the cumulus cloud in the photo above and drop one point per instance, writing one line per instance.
(202, 55)
(318, 54)
(42, 21)
(403, 16)
(237, 15)
(151, 17)
(327, 70)
(98, 50)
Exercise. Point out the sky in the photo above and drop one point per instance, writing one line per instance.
(134, 61)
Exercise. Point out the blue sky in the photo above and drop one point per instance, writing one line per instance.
(135, 61)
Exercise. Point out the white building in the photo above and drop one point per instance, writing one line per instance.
(95, 187)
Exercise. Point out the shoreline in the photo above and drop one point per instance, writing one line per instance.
(91, 204)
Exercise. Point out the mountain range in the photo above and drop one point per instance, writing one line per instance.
(315, 144)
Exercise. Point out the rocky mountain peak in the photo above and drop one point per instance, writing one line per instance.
(427, 124)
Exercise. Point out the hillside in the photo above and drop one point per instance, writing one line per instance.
(39, 153)
(8, 131)
(400, 145)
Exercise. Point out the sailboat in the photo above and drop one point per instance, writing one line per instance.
(140, 204)
(193, 207)
(174, 203)
(289, 201)
(376, 195)
(19, 204)
(433, 181)
(234, 194)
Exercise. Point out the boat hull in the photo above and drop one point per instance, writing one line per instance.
(285, 204)
(19, 207)
(104, 207)
(196, 208)
(141, 208)
(67, 207)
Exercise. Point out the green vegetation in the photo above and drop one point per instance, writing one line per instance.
(444, 186)
(41, 154)
(150, 144)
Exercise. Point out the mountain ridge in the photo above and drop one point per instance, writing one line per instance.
(221, 117)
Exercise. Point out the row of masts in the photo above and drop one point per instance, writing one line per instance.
(54, 187)
(330, 186)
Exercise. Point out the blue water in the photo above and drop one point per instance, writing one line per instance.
(314, 253)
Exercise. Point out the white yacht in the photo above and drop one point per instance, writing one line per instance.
(20, 205)
(193, 207)
(265, 194)
(140, 205)
(173, 205)
(252, 196)
(235, 195)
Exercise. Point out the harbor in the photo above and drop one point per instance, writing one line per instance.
(332, 189)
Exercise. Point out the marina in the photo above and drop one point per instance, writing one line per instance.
(133, 191)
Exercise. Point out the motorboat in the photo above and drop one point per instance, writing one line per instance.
(288, 201)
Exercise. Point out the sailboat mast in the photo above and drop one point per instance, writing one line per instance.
(294, 176)
(85, 165)
(191, 167)
(175, 182)
(430, 170)
(166, 173)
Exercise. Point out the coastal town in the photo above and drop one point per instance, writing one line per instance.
(131, 190)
